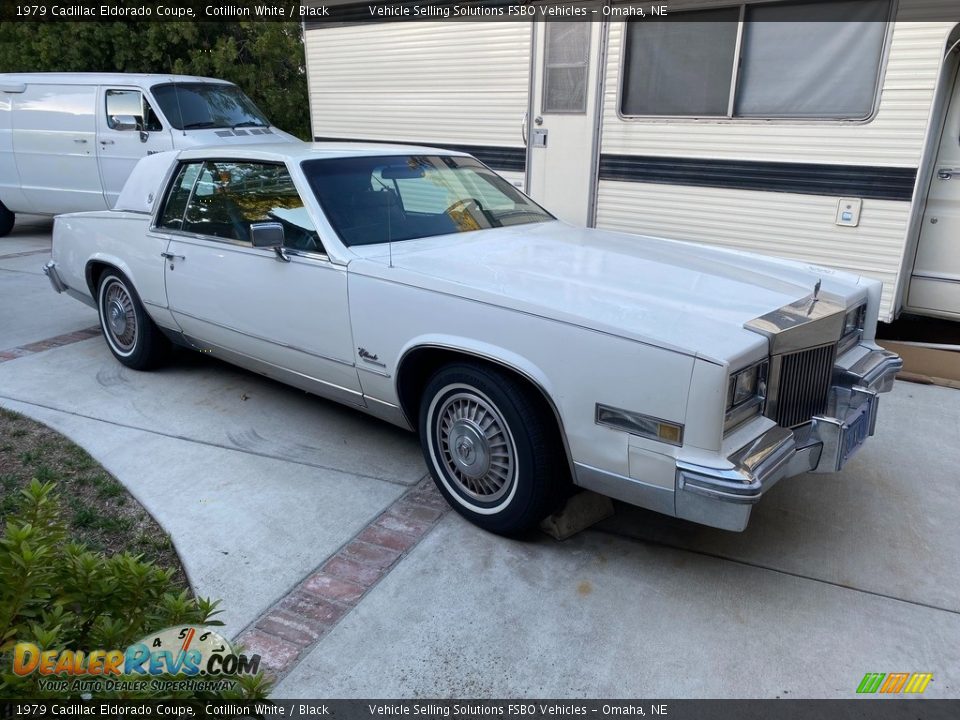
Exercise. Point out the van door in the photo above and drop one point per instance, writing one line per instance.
(562, 137)
(54, 141)
(127, 130)
(935, 285)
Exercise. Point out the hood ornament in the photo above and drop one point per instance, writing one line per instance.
(816, 294)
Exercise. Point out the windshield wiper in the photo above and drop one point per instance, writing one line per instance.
(198, 125)
(249, 123)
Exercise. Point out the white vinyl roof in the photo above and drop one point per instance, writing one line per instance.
(143, 185)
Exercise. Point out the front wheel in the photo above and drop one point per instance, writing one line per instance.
(6, 221)
(491, 447)
(132, 336)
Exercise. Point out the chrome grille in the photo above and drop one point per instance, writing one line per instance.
(804, 385)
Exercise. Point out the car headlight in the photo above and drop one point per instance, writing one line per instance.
(853, 323)
(746, 393)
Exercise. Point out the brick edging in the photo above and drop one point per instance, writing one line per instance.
(48, 344)
(286, 632)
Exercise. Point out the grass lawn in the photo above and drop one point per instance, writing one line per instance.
(98, 510)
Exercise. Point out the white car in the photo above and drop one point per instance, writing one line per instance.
(530, 356)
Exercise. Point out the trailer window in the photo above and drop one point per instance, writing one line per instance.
(784, 60)
(565, 67)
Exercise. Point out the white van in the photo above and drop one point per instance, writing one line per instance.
(68, 141)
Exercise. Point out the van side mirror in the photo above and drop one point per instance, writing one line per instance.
(125, 122)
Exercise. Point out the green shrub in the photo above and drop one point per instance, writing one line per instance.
(59, 595)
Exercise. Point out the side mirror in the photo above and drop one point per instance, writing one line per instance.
(125, 122)
(267, 234)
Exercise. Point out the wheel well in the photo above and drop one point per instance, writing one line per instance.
(419, 365)
(94, 271)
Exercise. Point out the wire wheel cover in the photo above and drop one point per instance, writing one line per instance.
(120, 318)
(475, 447)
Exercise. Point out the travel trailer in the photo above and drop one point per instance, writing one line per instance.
(748, 125)
(69, 141)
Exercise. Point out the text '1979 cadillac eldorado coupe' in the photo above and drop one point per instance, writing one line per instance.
(531, 356)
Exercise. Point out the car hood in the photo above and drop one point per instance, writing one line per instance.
(681, 295)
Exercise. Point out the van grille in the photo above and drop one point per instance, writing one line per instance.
(804, 386)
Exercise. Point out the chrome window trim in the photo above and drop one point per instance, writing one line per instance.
(172, 176)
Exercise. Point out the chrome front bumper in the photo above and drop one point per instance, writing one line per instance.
(724, 497)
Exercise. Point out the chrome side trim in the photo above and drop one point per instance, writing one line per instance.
(85, 299)
(299, 380)
(261, 338)
(626, 489)
(387, 412)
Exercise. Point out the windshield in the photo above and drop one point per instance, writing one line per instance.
(371, 200)
(190, 106)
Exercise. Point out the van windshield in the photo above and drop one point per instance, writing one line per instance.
(190, 106)
(370, 200)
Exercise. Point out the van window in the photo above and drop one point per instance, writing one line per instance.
(229, 196)
(190, 106)
(775, 60)
(131, 102)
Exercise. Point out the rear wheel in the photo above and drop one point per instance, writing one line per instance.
(6, 221)
(491, 447)
(131, 335)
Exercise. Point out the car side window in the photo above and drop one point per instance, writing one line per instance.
(131, 103)
(176, 204)
(230, 196)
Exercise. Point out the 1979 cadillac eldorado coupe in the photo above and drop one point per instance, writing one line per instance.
(531, 356)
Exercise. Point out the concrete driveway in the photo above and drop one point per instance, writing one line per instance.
(308, 520)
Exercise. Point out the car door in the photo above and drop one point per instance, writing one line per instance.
(121, 146)
(284, 314)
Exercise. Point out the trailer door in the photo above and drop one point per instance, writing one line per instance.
(935, 285)
(562, 137)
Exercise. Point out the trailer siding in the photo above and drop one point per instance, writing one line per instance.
(451, 84)
(794, 215)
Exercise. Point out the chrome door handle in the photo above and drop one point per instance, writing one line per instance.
(171, 256)
(945, 173)
(106, 142)
(523, 128)
(83, 141)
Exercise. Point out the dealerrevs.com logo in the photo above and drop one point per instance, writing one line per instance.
(894, 683)
(180, 658)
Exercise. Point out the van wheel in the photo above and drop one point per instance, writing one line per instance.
(491, 448)
(131, 335)
(6, 221)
